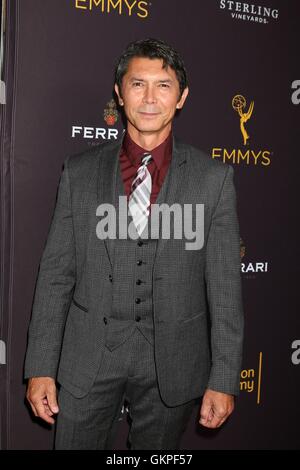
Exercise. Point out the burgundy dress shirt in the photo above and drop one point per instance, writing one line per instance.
(130, 159)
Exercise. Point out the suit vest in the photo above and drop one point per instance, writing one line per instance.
(133, 260)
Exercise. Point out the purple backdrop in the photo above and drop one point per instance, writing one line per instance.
(59, 61)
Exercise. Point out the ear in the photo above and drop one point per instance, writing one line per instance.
(182, 98)
(118, 95)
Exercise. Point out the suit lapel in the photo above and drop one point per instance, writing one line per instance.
(177, 183)
(108, 166)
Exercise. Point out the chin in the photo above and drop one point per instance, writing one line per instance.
(148, 122)
(149, 130)
(144, 127)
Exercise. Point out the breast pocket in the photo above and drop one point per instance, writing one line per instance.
(194, 317)
(79, 305)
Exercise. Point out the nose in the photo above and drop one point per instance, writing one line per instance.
(149, 95)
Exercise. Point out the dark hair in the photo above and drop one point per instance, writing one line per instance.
(152, 49)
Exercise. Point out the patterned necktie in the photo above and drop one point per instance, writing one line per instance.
(139, 199)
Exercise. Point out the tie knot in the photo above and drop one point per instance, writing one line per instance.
(146, 159)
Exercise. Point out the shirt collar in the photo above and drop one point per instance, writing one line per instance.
(159, 153)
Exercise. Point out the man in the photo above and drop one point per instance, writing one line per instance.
(143, 319)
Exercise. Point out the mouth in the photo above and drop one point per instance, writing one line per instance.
(146, 114)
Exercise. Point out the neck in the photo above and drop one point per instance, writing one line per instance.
(148, 140)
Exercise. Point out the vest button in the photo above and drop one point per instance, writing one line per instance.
(139, 262)
(140, 243)
(138, 318)
(105, 320)
(137, 300)
(110, 278)
(138, 282)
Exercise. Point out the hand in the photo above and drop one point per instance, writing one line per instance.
(215, 409)
(41, 394)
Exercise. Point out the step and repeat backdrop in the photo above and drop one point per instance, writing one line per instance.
(243, 109)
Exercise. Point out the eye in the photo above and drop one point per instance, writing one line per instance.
(164, 85)
(137, 84)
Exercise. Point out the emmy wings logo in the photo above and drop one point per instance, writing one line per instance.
(244, 153)
(110, 117)
(137, 8)
(239, 105)
(251, 268)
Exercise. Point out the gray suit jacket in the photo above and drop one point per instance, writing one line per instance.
(197, 298)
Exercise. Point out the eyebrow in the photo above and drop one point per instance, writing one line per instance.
(167, 80)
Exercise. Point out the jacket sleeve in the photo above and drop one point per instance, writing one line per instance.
(224, 291)
(54, 286)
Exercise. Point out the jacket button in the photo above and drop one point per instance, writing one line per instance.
(138, 282)
(139, 262)
(138, 318)
(140, 243)
(105, 320)
(110, 278)
(137, 300)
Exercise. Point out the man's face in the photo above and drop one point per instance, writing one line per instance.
(150, 95)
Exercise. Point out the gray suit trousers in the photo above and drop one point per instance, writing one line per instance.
(128, 372)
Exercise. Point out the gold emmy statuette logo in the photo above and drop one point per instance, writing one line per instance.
(110, 113)
(238, 104)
